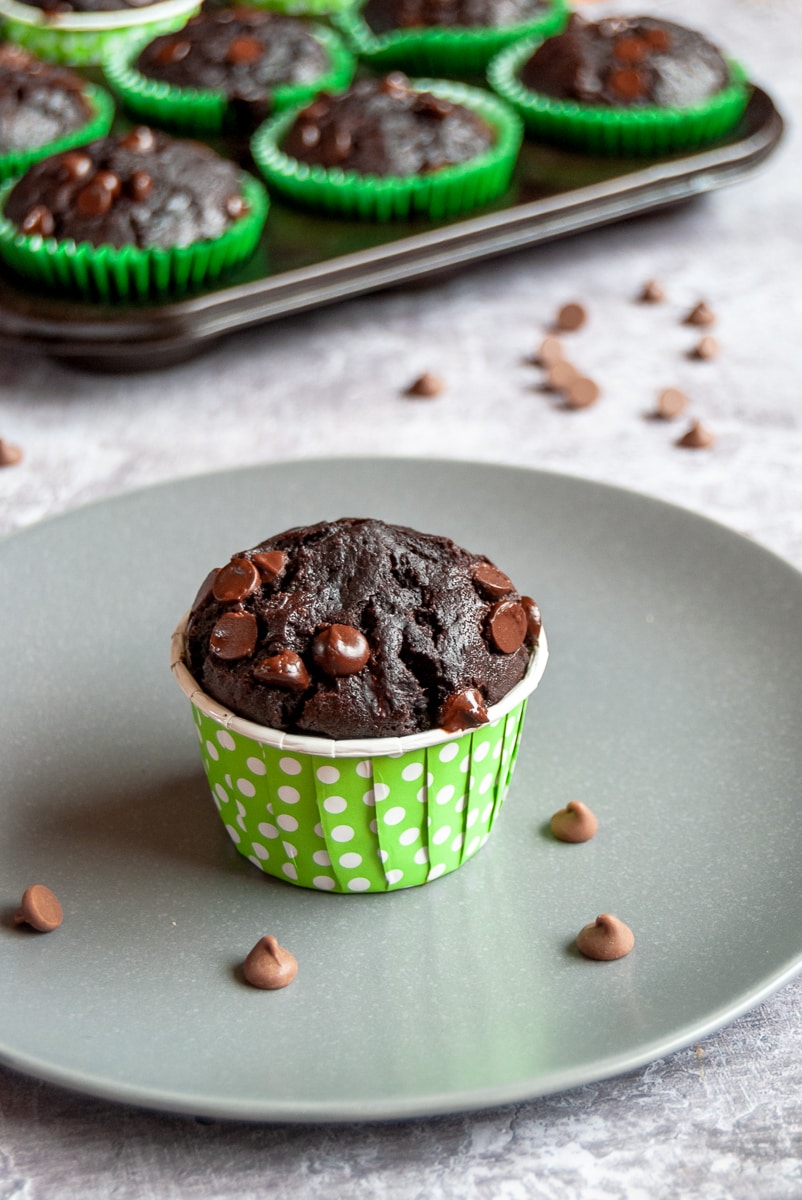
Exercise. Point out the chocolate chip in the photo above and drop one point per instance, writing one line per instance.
(140, 139)
(39, 908)
(234, 636)
(561, 375)
(627, 82)
(550, 351)
(574, 823)
(245, 50)
(10, 454)
(700, 314)
(269, 966)
(173, 51)
(605, 939)
(110, 181)
(705, 349)
(432, 106)
(652, 293)
(340, 650)
(492, 583)
(38, 219)
(571, 317)
(581, 393)
(395, 83)
(534, 621)
(94, 200)
(670, 403)
(426, 386)
(76, 165)
(631, 49)
(271, 564)
(658, 39)
(140, 185)
(696, 437)
(285, 669)
(205, 591)
(463, 710)
(235, 207)
(235, 581)
(506, 626)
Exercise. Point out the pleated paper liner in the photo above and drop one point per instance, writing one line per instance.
(456, 50)
(81, 38)
(439, 194)
(210, 111)
(625, 132)
(368, 815)
(130, 273)
(302, 8)
(16, 162)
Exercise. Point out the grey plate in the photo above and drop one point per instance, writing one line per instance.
(671, 705)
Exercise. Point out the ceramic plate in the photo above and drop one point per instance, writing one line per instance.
(671, 705)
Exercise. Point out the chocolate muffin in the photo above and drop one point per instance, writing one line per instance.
(627, 61)
(39, 102)
(141, 189)
(355, 628)
(385, 15)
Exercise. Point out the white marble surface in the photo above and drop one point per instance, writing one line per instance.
(721, 1120)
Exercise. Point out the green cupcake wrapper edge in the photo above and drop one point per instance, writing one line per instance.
(597, 129)
(82, 48)
(438, 195)
(16, 162)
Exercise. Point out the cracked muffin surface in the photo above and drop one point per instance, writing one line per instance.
(356, 628)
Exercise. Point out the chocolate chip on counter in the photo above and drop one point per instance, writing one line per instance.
(571, 317)
(463, 710)
(38, 219)
(700, 314)
(549, 352)
(705, 349)
(236, 581)
(10, 454)
(426, 386)
(534, 621)
(506, 626)
(574, 823)
(234, 636)
(561, 375)
(652, 293)
(285, 669)
(492, 583)
(581, 393)
(39, 908)
(245, 49)
(269, 966)
(696, 437)
(605, 939)
(271, 564)
(670, 403)
(340, 650)
(140, 140)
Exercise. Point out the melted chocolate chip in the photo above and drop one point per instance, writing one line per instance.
(245, 50)
(490, 582)
(39, 908)
(205, 590)
(140, 185)
(271, 565)
(237, 580)
(269, 966)
(463, 710)
(234, 636)
(340, 650)
(94, 200)
(285, 669)
(534, 621)
(38, 219)
(110, 181)
(627, 82)
(631, 49)
(506, 626)
(172, 52)
(76, 165)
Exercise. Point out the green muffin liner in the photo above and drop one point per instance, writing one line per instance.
(15, 162)
(598, 129)
(194, 110)
(81, 39)
(464, 50)
(438, 194)
(369, 816)
(130, 272)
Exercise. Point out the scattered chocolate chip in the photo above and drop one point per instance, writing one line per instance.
(426, 385)
(574, 823)
(10, 454)
(696, 437)
(700, 314)
(285, 669)
(271, 564)
(705, 349)
(234, 636)
(463, 710)
(235, 581)
(75, 164)
(571, 317)
(269, 966)
(492, 583)
(94, 200)
(340, 650)
(549, 352)
(561, 375)
(652, 293)
(245, 49)
(140, 185)
(140, 139)
(605, 939)
(506, 626)
(627, 82)
(39, 908)
(534, 621)
(670, 403)
(582, 393)
(38, 219)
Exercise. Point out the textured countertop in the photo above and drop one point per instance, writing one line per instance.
(722, 1119)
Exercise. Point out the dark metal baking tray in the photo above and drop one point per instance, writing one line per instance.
(306, 261)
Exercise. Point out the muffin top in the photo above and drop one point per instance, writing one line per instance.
(355, 628)
(385, 15)
(626, 62)
(62, 7)
(386, 127)
(39, 102)
(243, 52)
(141, 188)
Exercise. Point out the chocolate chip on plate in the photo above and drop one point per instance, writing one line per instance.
(571, 317)
(652, 293)
(10, 454)
(39, 908)
(426, 386)
(605, 939)
(581, 393)
(700, 314)
(705, 349)
(670, 403)
(696, 437)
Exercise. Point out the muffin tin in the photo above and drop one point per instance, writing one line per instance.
(305, 260)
